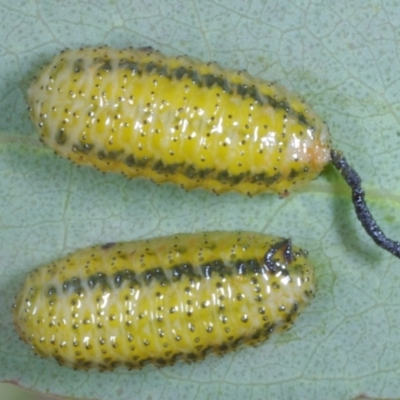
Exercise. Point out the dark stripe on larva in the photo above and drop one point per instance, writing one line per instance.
(163, 276)
(208, 80)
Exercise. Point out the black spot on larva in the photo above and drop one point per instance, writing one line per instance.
(264, 178)
(162, 70)
(156, 274)
(141, 162)
(162, 168)
(203, 173)
(284, 245)
(118, 279)
(184, 269)
(254, 93)
(123, 276)
(207, 350)
(112, 155)
(309, 294)
(72, 285)
(191, 357)
(216, 266)
(242, 90)
(210, 80)
(84, 148)
(226, 85)
(51, 291)
(223, 348)
(192, 172)
(293, 174)
(130, 66)
(78, 65)
(258, 334)
(61, 137)
(161, 362)
(275, 102)
(268, 328)
(180, 72)
(294, 311)
(251, 266)
(130, 161)
(225, 177)
(150, 67)
(97, 279)
(241, 267)
(258, 297)
(106, 66)
(87, 365)
(195, 77)
(302, 119)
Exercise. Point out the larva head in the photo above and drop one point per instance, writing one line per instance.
(291, 275)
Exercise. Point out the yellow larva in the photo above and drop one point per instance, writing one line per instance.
(162, 300)
(175, 119)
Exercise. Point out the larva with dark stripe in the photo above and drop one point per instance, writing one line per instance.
(179, 120)
(176, 119)
(162, 300)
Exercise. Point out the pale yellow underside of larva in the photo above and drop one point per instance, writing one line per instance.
(93, 108)
(62, 313)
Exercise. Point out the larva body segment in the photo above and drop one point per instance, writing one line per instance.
(161, 300)
(176, 119)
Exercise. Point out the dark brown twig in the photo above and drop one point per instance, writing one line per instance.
(360, 206)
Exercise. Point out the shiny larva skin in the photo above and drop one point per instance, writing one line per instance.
(160, 300)
(176, 119)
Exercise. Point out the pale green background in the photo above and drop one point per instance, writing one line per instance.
(343, 57)
(12, 392)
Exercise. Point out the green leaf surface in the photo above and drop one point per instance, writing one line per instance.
(343, 58)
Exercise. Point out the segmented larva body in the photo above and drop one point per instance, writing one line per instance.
(176, 119)
(160, 300)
